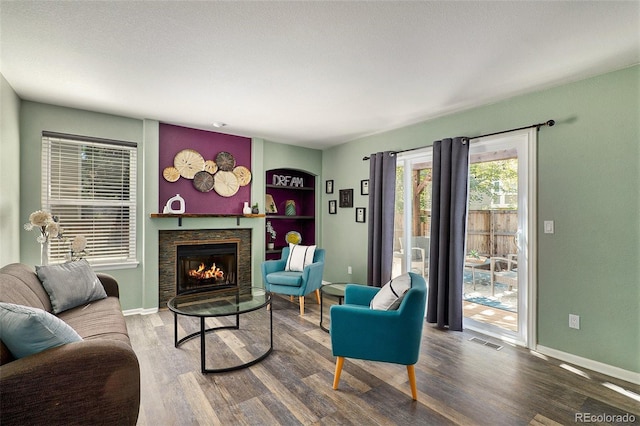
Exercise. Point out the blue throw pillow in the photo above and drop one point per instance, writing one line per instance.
(26, 331)
(70, 284)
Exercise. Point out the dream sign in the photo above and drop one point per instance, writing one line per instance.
(291, 181)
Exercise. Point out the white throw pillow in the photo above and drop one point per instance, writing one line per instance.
(390, 295)
(299, 257)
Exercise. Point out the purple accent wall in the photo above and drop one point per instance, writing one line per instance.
(174, 139)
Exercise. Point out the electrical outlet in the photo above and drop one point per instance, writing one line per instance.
(349, 271)
(574, 321)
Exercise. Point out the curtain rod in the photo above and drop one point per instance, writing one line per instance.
(549, 123)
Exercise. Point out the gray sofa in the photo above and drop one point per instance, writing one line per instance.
(93, 381)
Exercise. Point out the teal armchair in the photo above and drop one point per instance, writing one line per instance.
(358, 331)
(277, 280)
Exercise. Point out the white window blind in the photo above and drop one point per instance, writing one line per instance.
(90, 185)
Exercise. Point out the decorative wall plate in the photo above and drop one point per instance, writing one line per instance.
(210, 166)
(170, 174)
(225, 183)
(203, 181)
(243, 174)
(293, 237)
(188, 162)
(225, 161)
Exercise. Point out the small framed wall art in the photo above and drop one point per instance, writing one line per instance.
(332, 206)
(328, 187)
(361, 214)
(346, 198)
(364, 187)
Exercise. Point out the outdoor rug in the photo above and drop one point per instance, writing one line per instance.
(487, 301)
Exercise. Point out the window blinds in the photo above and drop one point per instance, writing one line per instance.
(90, 185)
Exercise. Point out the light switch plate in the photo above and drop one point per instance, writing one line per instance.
(548, 227)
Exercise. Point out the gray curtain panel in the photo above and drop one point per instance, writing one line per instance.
(382, 197)
(448, 226)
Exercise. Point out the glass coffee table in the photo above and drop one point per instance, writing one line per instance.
(335, 290)
(220, 303)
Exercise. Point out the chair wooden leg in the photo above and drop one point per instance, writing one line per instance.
(291, 298)
(336, 376)
(411, 371)
(301, 305)
(318, 296)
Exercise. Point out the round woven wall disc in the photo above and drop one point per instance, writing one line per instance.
(203, 181)
(243, 174)
(188, 162)
(225, 183)
(170, 174)
(225, 161)
(210, 166)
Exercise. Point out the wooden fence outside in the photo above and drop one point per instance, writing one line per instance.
(489, 232)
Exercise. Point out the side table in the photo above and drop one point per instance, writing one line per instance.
(335, 290)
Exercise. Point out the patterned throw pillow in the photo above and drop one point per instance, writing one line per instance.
(26, 330)
(299, 257)
(390, 295)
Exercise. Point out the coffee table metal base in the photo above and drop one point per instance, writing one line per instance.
(203, 331)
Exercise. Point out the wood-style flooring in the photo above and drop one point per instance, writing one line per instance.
(459, 381)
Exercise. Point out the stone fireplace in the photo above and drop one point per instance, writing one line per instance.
(203, 259)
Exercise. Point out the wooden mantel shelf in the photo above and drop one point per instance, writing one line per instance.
(204, 215)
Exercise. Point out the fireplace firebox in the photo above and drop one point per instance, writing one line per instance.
(206, 266)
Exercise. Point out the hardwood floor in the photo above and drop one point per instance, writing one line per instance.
(459, 381)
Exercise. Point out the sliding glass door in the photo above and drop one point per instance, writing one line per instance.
(498, 275)
(497, 283)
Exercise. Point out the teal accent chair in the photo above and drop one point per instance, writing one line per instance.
(358, 331)
(277, 280)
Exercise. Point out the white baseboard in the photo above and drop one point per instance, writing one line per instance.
(609, 370)
(140, 311)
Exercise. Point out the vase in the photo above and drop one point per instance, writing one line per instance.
(290, 208)
(270, 246)
(44, 253)
(246, 209)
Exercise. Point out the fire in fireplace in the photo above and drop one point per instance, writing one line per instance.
(206, 266)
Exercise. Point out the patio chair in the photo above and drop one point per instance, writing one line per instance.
(504, 271)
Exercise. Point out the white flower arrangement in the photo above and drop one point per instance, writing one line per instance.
(271, 231)
(77, 248)
(47, 224)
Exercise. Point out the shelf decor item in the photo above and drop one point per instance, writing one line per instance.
(271, 236)
(293, 237)
(255, 209)
(246, 209)
(271, 205)
(290, 208)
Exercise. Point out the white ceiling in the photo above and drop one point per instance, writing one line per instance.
(309, 73)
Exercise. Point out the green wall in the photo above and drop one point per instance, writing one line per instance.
(588, 180)
(10, 221)
(36, 117)
(138, 286)
(588, 183)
